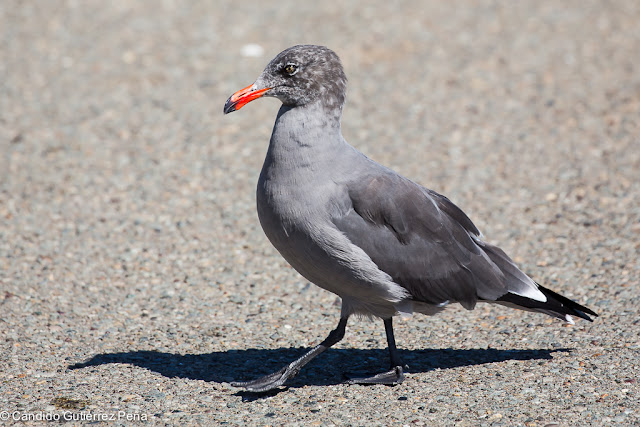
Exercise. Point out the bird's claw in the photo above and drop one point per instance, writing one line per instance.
(267, 382)
(394, 376)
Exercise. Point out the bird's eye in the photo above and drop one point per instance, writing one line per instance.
(290, 69)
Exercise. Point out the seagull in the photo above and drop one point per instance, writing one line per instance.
(384, 244)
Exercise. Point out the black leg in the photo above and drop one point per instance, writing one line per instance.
(396, 360)
(395, 375)
(271, 381)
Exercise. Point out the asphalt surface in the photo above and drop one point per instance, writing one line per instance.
(135, 280)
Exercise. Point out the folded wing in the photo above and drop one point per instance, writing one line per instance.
(427, 244)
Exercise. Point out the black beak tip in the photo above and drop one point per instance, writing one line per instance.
(229, 106)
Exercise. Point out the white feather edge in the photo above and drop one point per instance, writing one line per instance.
(531, 292)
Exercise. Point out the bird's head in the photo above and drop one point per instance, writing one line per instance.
(297, 76)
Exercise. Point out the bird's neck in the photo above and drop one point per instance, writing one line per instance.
(320, 116)
(308, 133)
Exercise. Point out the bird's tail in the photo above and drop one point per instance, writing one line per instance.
(525, 294)
(556, 305)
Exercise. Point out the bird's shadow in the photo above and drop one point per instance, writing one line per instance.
(327, 369)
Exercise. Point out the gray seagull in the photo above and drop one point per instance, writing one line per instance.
(381, 242)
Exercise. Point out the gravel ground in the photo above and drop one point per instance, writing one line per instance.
(135, 280)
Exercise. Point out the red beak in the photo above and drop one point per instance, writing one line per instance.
(242, 97)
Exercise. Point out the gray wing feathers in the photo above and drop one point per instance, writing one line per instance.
(517, 282)
(426, 243)
(454, 212)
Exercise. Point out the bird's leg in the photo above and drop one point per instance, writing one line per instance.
(396, 360)
(271, 381)
(395, 375)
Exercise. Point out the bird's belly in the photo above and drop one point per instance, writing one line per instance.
(298, 246)
(325, 257)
